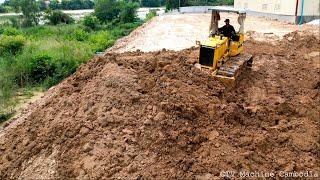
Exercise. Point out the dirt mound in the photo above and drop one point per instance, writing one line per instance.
(153, 115)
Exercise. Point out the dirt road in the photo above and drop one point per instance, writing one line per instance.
(180, 31)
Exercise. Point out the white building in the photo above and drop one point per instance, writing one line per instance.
(288, 10)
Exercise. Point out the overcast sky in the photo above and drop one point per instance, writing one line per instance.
(1, 1)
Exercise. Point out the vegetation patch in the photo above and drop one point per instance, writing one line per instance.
(151, 14)
(40, 56)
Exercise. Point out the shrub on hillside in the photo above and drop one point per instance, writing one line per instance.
(11, 44)
(91, 21)
(46, 62)
(107, 10)
(46, 69)
(41, 67)
(128, 12)
(110, 10)
(2, 9)
(124, 29)
(65, 67)
(152, 13)
(75, 4)
(172, 4)
(15, 21)
(101, 40)
(10, 31)
(56, 17)
(80, 35)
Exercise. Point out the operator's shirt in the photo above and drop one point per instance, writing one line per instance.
(227, 31)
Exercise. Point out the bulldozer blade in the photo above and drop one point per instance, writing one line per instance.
(229, 72)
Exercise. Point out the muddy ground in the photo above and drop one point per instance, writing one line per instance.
(153, 115)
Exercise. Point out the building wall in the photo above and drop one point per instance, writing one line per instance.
(281, 7)
(311, 8)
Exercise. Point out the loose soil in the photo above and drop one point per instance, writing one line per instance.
(154, 115)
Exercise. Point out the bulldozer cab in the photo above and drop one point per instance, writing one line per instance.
(215, 50)
(215, 17)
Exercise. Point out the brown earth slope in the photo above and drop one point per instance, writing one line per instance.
(153, 115)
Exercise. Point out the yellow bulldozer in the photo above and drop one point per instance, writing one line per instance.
(224, 56)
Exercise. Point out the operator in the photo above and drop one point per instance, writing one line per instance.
(227, 30)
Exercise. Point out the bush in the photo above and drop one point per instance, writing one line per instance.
(30, 10)
(172, 4)
(7, 88)
(39, 32)
(9, 31)
(76, 4)
(54, 4)
(65, 67)
(101, 40)
(128, 12)
(91, 21)
(56, 17)
(47, 61)
(51, 54)
(15, 21)
(60, 31)
(80, 35)
(107, 10)
(151, 14)
(41, 67)
(151, 3)
(2, 9)
(123, 29)
(5, 116)
(11, 44)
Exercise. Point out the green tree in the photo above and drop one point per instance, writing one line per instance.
(54, 4)
(91, 21)
(2, 9)
(88, 4)
(65, 4)
(31, 12)
(77, 4)
(12, 3)
(6, 3)
(43, 5)
(56, 17)
(107, 10)
(150, 3)
(206, 2)
(128, 12)
(172, 4)
(29, 8)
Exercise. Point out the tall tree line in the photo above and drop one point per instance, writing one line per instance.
(173, 4)
(56, 4)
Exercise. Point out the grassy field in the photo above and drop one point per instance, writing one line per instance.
(41, 56)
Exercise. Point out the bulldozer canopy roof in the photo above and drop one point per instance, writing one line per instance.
(227, 9)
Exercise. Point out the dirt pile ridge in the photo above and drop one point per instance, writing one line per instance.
(153, 115)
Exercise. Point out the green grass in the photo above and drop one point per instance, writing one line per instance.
(48, 54)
